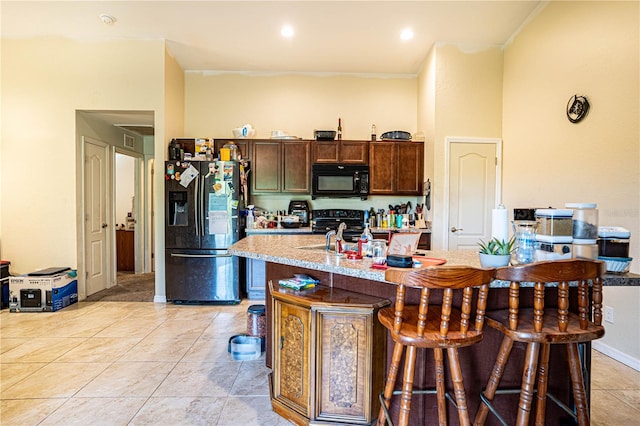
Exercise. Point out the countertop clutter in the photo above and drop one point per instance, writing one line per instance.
(308, 252)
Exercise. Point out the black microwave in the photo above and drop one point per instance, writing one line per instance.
(339, 181)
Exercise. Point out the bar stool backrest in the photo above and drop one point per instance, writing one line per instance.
(447, 278)
(558, 273)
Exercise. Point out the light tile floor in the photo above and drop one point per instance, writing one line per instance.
(136, 363)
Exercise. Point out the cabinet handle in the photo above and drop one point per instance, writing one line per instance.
(281, 341)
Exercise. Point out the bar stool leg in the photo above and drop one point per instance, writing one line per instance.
(543, 369)
(391, 381)
(494, 380)
(579, 393)
(458, 387)
(528, 381)
(440, 385)
(407, 386)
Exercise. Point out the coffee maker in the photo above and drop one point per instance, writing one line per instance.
(300, 208)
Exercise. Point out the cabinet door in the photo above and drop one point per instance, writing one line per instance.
(354, 152)
(256, 278)
(291, 356)
(265, 167)
(382, 168)
(409, 169)
(343, 370)
(296, 174)
(325, 152)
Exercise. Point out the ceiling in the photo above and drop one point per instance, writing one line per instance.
(354, 37)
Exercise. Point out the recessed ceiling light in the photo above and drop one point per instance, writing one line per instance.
(108, 19)
(287, 31)
(406, 34)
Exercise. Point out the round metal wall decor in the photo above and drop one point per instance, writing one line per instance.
(577, 108)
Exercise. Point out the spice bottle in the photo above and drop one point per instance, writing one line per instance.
(339, 128)
(373, 132)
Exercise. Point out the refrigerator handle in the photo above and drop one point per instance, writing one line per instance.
(196, 195)
(202, 204)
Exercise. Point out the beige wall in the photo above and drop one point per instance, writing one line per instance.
(44, 82)
(460, 96)
(298, 104)
(590, 49)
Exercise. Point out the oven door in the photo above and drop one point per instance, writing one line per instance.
(339, 181)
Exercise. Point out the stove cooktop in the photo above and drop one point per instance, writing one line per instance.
(329, 219)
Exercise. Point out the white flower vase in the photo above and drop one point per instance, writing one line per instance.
(494, 260)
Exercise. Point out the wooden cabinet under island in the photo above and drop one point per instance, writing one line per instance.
(328, 356)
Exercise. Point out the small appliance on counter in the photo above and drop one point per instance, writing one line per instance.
(301, 209)
(554, 234)
(613, 248)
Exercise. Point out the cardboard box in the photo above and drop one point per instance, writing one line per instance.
(42, 293)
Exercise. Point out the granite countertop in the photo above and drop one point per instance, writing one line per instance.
(307, 251)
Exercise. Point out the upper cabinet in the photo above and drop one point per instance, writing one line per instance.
(396, 168)
(244, 146)
(280, 166)
(341, 151)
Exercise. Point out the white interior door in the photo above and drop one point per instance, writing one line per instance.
(473, 188)
(96, 219)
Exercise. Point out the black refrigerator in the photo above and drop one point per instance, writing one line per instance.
(203, 201)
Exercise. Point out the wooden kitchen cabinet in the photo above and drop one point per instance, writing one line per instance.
(328, 355)
(396, 168)
(342, 151)
(296, 167)
(244, 146)
(280, 166)
(255, 275)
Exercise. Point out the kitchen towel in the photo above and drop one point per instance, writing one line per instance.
(500, 223)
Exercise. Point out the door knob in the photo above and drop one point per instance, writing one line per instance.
(104, 225)
(454, 229)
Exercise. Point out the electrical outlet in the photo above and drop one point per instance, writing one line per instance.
(608, 314)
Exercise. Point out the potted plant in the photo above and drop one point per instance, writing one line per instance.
(496, 252)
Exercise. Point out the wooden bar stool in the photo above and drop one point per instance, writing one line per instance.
(432, 326)
(541, 327)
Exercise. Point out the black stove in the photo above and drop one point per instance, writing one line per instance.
(329, 219)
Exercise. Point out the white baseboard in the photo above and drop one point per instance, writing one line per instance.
(159, 299)
(616, 354)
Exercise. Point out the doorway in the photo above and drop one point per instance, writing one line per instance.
(121, 136)
(125, 212)
(474, 171)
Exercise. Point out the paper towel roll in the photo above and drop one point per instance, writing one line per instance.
(500, 224)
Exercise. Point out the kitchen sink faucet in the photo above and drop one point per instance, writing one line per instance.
(338, 235)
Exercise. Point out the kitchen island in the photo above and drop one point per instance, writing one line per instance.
(288, 255)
